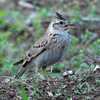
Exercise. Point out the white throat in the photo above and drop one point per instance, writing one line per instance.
(51, 29)
(65, 34)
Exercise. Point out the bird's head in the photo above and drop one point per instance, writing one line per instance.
(59, 25)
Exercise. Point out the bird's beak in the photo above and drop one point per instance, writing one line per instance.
(69, 26)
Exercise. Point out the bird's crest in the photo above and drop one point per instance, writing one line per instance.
(60, 16)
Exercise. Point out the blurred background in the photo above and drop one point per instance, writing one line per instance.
(24, 21)
(77, 77)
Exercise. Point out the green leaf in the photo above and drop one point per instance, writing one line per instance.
(3, 13)
(23, 94)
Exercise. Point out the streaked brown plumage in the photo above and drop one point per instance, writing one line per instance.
(49, 49)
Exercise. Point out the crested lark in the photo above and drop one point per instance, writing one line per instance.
(49, 49)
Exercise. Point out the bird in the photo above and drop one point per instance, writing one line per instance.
(49, 49)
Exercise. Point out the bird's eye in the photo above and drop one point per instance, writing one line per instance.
(61, 22)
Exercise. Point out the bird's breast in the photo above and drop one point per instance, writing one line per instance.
(49, 57)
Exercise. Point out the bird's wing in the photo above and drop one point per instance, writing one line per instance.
(34, 51)
(46, 43)
(40, 46)
(41, 42)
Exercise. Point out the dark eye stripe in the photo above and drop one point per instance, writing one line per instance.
(61, 22)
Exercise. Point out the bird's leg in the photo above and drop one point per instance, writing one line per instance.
(32, 72)
(36, 74)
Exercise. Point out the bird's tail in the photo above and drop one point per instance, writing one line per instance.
(19, 62)
(23, 68)
(20, 72)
